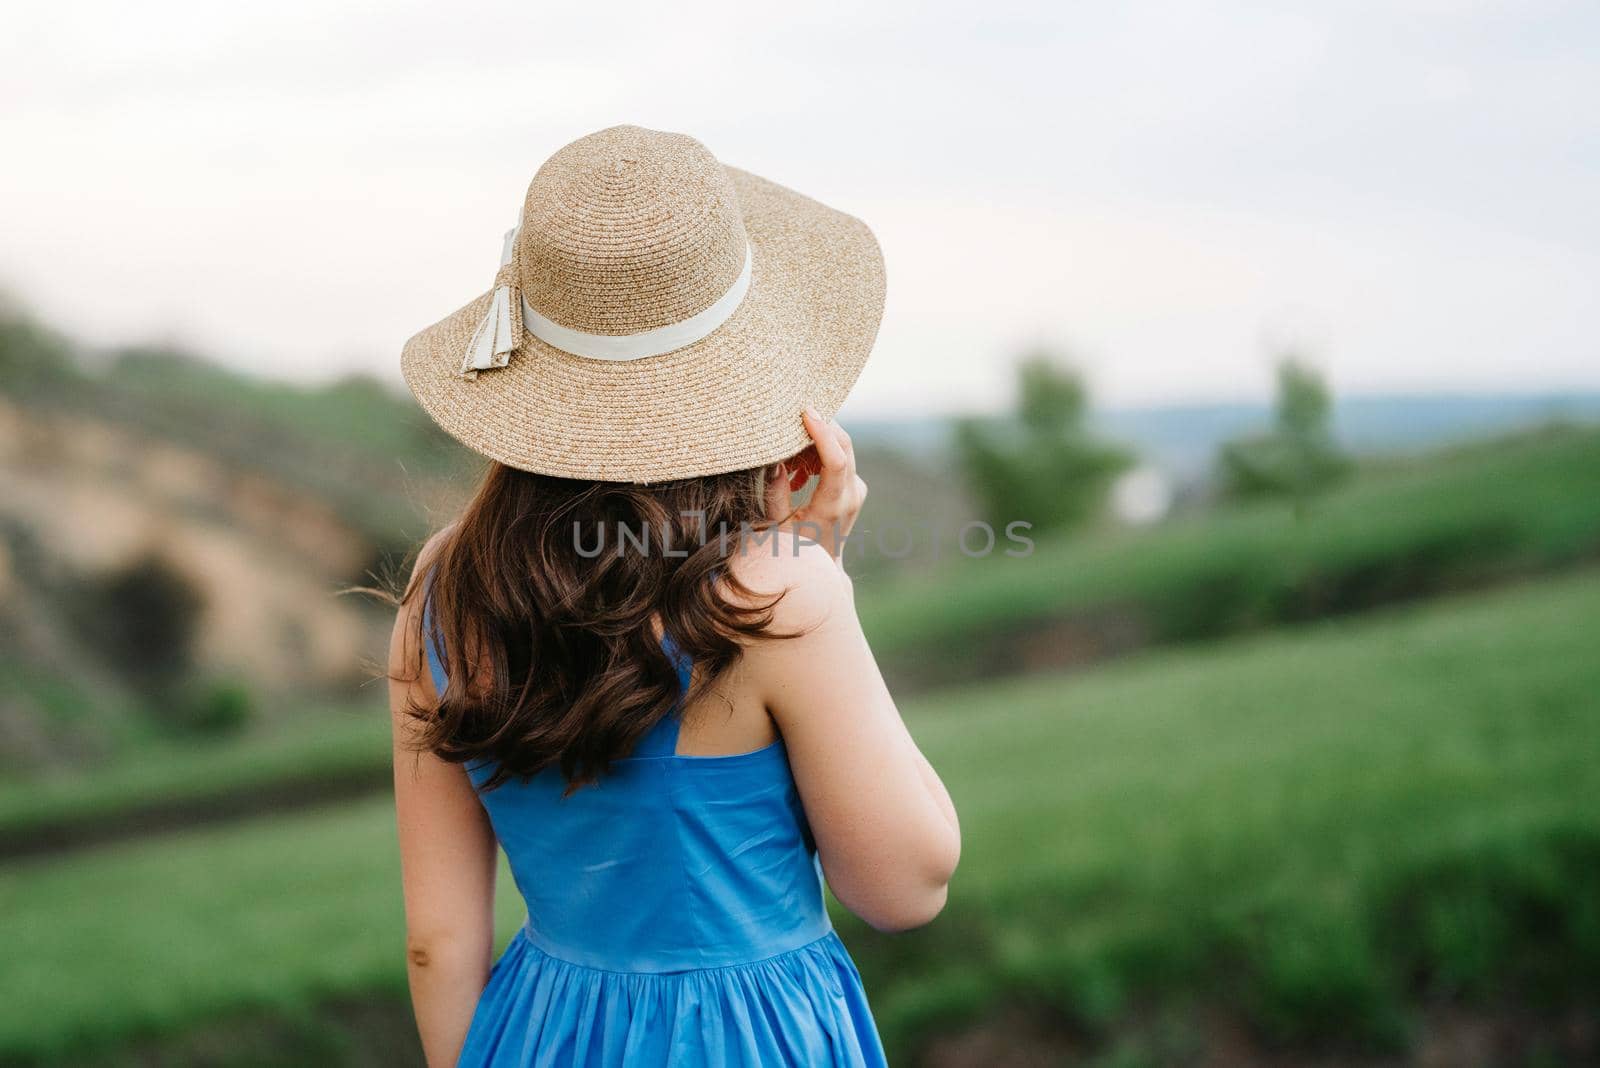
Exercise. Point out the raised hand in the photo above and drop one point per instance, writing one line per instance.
(835, 503)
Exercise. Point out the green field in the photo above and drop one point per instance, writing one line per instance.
(1319, 827)
(305, 751)
(1302, 823)
(1403, 530)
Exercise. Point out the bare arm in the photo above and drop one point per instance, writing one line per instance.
(447, 857)
(941, 796)
(885, 827)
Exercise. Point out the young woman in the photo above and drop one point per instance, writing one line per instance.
(631, 662)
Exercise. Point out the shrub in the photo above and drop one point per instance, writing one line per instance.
(142, 618)
(220, 706)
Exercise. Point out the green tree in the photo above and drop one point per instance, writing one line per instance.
(1298, 458)
(1046, 468)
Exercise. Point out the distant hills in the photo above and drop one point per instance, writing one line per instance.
(1183, 439)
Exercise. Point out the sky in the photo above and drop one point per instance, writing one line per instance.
(1164, 194)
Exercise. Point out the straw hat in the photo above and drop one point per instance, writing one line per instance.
(656, 315)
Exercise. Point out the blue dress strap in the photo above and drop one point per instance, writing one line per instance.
(662, 739)
(432, 645)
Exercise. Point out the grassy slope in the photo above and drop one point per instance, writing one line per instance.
(344, 740)
(1488, 511)
(1509, 506)
(1266, 802)
(356, 444)
(1261, 802)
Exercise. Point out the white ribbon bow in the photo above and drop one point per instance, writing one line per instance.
(500, 330)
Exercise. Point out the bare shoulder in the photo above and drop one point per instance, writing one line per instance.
(405, 646)
(817, 665)
(813, 586)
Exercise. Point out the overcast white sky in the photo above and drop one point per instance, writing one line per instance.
(1163, 189)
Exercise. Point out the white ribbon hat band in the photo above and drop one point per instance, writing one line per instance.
(661, 340)
(493, 341)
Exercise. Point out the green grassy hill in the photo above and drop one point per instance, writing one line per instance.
(1464, 520)
(170, 531)
(1321, 832)
(1402, 530)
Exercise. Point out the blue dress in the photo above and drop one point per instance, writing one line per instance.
(675, 917)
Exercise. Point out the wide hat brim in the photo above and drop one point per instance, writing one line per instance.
(728, 402)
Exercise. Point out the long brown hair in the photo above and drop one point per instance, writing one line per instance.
(548, 600)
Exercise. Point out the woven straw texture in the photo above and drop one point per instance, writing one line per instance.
(628, 230)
